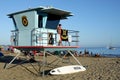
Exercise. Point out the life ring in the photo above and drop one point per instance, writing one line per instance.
(24, 20)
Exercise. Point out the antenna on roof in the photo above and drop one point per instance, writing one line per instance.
(29, 4)
(46, 7)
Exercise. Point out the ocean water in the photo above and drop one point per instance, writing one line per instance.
(103, 51)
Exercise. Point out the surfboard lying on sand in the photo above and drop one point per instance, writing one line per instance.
(67, 69)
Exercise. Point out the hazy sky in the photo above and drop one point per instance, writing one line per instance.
(97, 20)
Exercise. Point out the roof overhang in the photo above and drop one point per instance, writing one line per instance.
(49, 10)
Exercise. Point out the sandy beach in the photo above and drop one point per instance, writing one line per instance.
(97, 68)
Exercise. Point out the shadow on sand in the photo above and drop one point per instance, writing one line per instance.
(16, 62)
(8, 59)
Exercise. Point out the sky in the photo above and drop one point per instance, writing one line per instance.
(97, 20)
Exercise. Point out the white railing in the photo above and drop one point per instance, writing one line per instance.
(41, 38)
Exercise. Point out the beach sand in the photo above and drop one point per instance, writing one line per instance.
(99, 68)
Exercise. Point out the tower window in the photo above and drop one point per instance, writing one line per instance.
(40, 21)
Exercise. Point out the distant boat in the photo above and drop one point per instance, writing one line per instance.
(111, 48)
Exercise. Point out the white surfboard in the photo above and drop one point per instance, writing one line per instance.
(67, 69)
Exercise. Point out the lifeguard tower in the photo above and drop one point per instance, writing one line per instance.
(38, 27)
(36, 30)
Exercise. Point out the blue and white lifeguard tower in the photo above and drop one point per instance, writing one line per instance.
(36, 30)
(38, 27)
